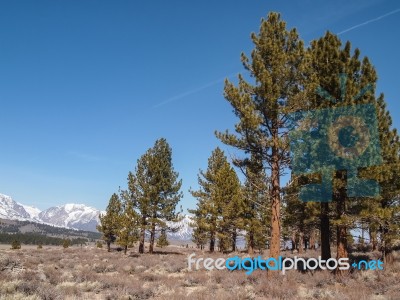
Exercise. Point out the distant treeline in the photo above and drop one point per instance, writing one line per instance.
(44, 229)
(36, 239)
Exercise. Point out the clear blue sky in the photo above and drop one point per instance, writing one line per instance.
(86, 87)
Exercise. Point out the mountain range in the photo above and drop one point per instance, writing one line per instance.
(75, 216)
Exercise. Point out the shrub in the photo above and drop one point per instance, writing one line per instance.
(9, 263)
(99, 244)
(16, 244)
(66, 243)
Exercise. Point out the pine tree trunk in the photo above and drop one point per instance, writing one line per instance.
(341, 241)
(325, 231)
(221, 244)
(372, 238)
(125, 249)
(108, 246)
(387, 252)
(362, 234)
(374, 244)
(142, 235)
(152, 237)
(312, 240)
(250, 247)
(276, 203)
(341, 230)
(234, 235)
(293, 241)
(212, 242)
(301, 242)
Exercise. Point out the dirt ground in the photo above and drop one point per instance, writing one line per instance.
(92, 273)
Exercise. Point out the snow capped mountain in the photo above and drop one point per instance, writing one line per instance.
(10, 209)
(32, 211)
(78, 216)
(184, 231)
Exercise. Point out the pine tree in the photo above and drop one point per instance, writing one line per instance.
(109, 222)
(206, 213)
(199, 224)
(382, 214)
(256, 214)
(300, 219)
(128, 223)
(217, 217)
(228, 197)
(277, 65)
(162, 240)
(154, 189)
(328, 60)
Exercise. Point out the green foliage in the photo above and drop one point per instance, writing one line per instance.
(13, 226)
(35, 238)
(286, 76)
(66, 243)
(228, 198)
(162, 240)
(256, 213)
(220, 201)
(382, 215)
(155, 190)
(328, 59)
(128, 227)
(199, 224)
(99, 244)
(110, 222)
(301, 220)
(277, 65)
(16, 244)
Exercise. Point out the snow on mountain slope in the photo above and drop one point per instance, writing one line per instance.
(32, 211)
(184, 231)
(78, 216)
(9, 209)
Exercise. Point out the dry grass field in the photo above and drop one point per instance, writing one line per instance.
(90, 273)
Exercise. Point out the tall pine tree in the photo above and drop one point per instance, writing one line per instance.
(217, 216)
(199, 224)
(110, 221)
(343, 77)
(154, 189)
(256, 214)
(128, 229)
(276, 65)
(382, 215)
(228, 197)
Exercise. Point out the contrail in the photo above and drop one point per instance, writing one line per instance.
(369, 21)
(193, 91)
(196, 90)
